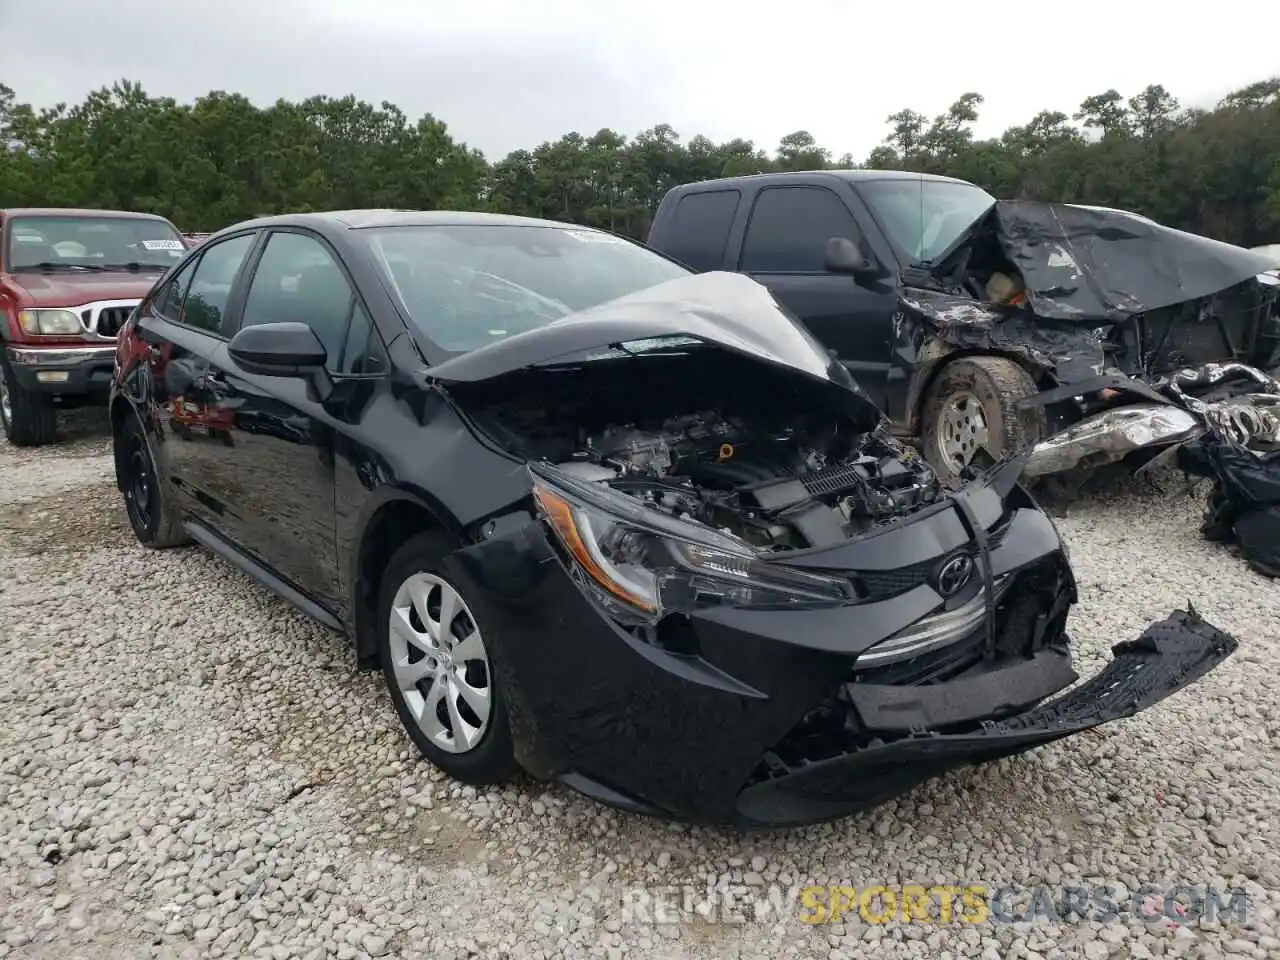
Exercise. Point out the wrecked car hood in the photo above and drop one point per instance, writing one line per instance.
(725, 310)
(1094, 263)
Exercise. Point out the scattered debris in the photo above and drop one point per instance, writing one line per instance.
(1244, 507)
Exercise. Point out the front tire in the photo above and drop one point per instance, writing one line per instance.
(148, 501)
(28, 418)
(974, 403)
(439, 668)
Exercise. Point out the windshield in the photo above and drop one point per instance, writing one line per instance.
(465, 286)
(924, 217)
(91, 243)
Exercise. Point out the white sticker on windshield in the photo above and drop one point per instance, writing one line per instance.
(590, 236)
(162, 245)
(27, 238)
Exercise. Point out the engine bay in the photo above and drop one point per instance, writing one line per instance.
(783, 462)
(782, 489)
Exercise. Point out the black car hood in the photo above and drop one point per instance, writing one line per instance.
(1093, 263)
(723, 310)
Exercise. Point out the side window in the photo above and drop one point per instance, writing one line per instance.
(362, 354)
(790, 227)
(210, 287)
(168, 302)
(298, 280)
(700, 228)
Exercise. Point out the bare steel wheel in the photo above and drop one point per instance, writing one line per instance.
(962, 431)
(975, 403)
(439, 663)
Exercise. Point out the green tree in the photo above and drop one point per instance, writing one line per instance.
(221, 159)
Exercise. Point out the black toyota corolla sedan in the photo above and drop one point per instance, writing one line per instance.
(601, 519)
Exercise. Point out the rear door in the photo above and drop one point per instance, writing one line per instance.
(784, 248)
(179, 327)
(283, 440)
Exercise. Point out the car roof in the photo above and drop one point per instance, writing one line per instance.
(852, 176)
(78, 212)
(365, 219)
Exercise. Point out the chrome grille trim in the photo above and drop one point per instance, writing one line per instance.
(92, 319)
(934, 631)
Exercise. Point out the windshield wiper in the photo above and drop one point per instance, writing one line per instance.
(133, 266)
(48, 266)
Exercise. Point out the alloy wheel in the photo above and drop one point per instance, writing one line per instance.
(440, 663)
(963, 429)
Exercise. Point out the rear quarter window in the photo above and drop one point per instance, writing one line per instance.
(698, 230)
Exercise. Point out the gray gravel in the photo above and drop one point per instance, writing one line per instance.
(188, 768)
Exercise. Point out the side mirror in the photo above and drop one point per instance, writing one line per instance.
(843, 256)
(286, 349)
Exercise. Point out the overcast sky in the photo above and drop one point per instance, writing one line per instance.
(505, 74)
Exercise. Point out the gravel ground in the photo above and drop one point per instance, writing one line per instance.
(188, 768)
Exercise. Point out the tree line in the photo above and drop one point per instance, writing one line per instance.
(222, 159)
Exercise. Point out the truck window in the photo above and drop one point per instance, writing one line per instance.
(789, 229)
(699, 228)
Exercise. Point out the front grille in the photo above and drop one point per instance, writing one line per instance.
(111, 319)
(935, 666)
(876, 585)
(1030, 618)
(105, 318)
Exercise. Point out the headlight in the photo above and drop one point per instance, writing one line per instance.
(642, 564)
(49, 322)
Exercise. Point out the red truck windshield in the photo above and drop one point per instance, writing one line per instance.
(91, 243)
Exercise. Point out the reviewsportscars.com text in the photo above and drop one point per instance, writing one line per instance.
(961, 903)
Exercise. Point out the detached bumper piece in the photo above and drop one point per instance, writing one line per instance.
(910, 734)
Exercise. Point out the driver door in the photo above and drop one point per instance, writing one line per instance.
(282, 440)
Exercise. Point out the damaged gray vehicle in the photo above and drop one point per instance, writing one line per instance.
(1086, 334)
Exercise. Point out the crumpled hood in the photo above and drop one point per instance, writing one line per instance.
(72, 289)
(726, 310)
(1093, 263)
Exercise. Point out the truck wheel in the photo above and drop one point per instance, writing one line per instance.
(973, 404)
(28, 418)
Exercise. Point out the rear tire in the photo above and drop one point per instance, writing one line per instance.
(28, 418)
(439, 667)
(974, 403)
(148, 500)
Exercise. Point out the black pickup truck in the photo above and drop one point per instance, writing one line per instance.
(1088, 334)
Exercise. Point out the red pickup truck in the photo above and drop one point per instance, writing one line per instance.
(68, 281)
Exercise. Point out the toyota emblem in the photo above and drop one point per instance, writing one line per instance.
(954, 575)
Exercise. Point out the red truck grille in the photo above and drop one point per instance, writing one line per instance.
(104, 319)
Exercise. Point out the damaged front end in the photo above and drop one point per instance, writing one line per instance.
(1141, 337)
(887, 737)
(739, 599)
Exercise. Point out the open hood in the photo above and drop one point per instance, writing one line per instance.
(722, 310)
(1095, 263)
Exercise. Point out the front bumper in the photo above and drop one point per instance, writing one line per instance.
(1233, 399)
(918, 732)
(63, 371)
(729, 716)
